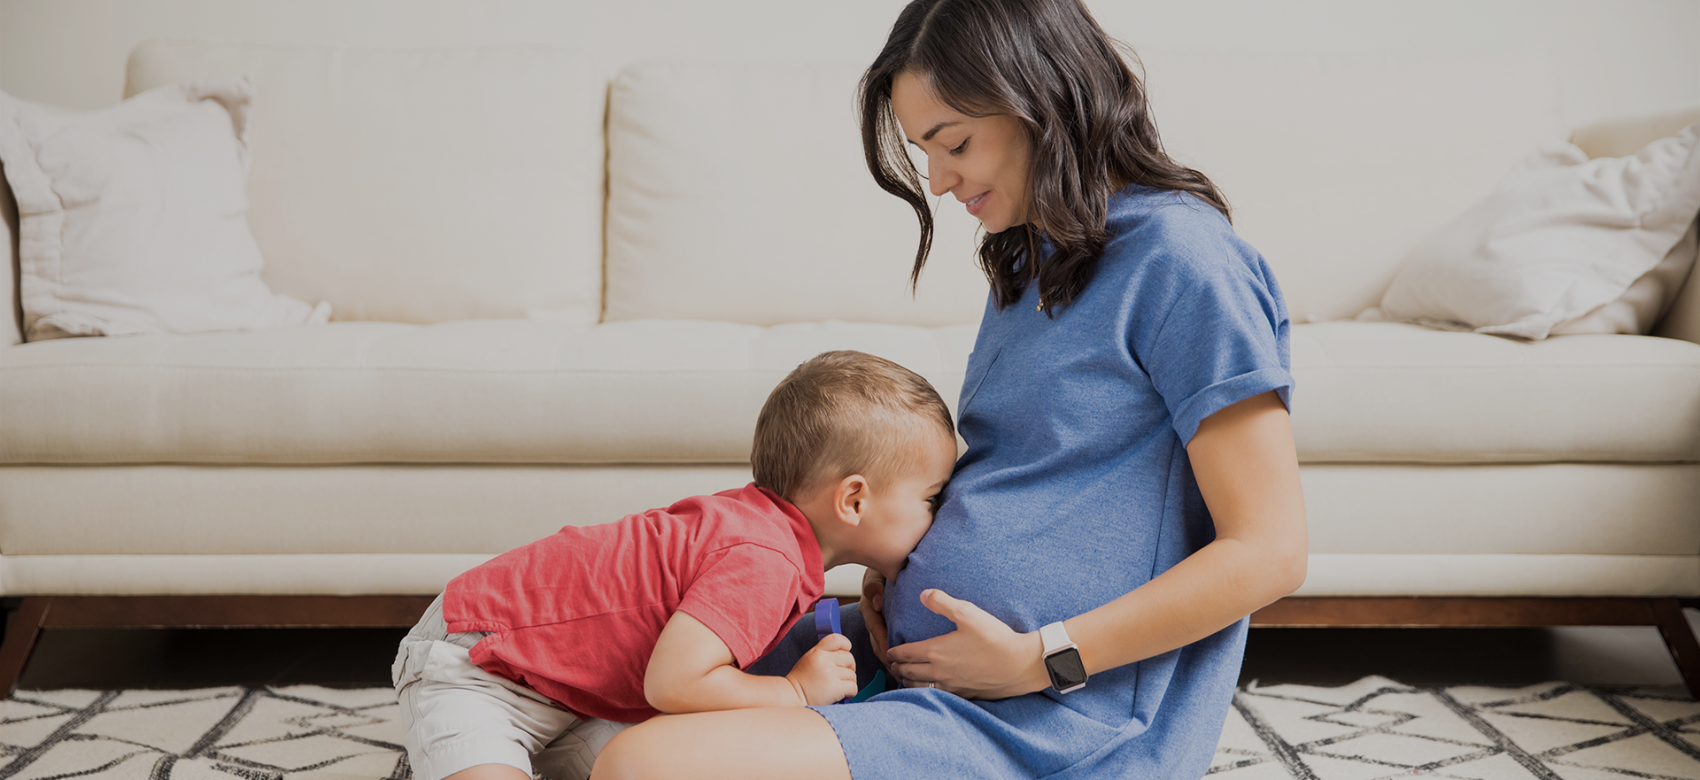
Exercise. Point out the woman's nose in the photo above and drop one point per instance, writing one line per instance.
(940, 178)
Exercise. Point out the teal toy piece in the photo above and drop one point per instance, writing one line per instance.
(875, 687)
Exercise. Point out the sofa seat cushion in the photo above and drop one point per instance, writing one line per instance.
(474, 391)
(653, 391)
(1380, 392)
(1352, 508)
(1375, 529)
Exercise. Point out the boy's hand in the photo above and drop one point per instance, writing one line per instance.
(692, 670)
(826, 674)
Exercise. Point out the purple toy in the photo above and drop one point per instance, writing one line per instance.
(826, 619)
(827, 622)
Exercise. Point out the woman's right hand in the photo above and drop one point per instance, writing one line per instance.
(872, 607)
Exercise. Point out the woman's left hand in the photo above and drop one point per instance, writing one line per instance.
(982, 659)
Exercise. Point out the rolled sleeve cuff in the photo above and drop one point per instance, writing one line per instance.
(1228, 392)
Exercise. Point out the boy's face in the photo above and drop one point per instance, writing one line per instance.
(898, 515)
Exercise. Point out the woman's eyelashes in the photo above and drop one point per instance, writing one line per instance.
(959, 147)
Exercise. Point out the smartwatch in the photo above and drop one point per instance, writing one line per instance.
(1062, 659)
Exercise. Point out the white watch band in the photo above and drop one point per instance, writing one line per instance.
(1055, 638)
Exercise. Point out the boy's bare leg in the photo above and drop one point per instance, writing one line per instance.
(489, 772)
(771, 742)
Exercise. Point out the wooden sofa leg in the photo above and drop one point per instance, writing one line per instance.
(1684, 648)
(21, 633)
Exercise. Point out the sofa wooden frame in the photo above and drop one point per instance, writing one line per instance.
(28, 615)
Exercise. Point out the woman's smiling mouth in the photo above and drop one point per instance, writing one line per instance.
(976, 203)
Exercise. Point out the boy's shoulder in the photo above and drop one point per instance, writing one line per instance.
(748, 501)
(749, 514)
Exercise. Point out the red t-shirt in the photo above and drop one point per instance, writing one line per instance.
(575, 616)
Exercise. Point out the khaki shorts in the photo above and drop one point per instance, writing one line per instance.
(458, 716)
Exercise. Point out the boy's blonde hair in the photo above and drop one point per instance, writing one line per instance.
(843, 413)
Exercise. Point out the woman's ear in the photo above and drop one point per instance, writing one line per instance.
(850, 499)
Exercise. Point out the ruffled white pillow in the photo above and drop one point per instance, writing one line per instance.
(133, 219)
(1561, 238)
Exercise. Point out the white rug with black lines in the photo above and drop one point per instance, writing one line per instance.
(1373, 728)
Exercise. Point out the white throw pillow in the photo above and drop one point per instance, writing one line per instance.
(1560, 237)
(133, 219)
(1641, 306)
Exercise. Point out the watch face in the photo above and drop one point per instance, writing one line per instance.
(1066, 669)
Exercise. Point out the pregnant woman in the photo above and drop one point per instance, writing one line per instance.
(1130, 490)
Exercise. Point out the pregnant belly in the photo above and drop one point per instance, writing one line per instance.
(1023, 572)
(968, 565)
(906, 618)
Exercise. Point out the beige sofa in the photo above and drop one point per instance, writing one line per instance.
(562, 295)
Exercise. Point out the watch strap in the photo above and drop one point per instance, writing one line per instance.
(1062, 659)
(1055, 638)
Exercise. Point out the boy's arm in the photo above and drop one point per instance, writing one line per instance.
(691, 671)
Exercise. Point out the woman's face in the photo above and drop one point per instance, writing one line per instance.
(982, 161)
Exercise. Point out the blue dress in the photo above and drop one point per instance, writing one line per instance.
(1076, 489)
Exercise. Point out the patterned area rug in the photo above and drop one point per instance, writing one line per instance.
(1374, 728)
(1377, 728)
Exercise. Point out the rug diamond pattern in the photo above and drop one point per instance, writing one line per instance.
(1553, 731)
(1373, 729)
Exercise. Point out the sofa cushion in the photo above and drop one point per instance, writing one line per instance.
(739, 193)
(1338, 164)
(653, 391)
(475, 391)
(748, 180)
(133, 219)
(1561, 237)
(1509, 530)
(1371, 392)
(417, 185)
(1353, 509)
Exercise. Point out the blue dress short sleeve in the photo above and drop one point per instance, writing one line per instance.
(1211, 329)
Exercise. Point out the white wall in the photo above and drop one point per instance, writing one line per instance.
(1613, 57)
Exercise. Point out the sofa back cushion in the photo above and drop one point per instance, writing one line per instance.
(738, 192)
(1337, 165)
(419, 185)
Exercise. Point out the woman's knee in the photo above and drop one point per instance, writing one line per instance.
(623, 757)
(773, 742)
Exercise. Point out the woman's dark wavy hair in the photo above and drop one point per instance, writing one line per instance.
(1048, 64)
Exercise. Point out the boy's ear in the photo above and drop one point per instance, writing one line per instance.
(850, 499)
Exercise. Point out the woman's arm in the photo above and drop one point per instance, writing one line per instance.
(1248, 472)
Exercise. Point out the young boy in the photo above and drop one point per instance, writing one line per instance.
(534, 660)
